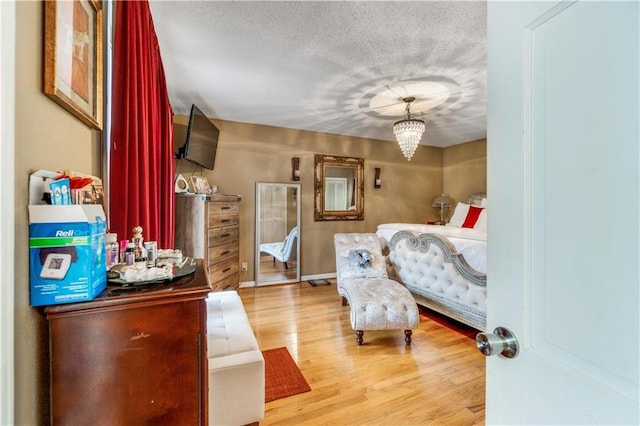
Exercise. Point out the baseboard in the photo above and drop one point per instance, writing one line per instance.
(245, 284)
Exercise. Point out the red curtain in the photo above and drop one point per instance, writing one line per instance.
(141, 164)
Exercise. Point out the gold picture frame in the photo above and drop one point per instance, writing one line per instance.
(73, 50)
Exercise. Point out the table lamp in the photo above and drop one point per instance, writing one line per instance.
(443, 203)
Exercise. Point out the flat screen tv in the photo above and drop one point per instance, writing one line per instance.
(201, 143)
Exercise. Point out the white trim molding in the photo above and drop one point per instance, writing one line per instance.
(7, 209)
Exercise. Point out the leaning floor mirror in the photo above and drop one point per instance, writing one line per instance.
(277, 233)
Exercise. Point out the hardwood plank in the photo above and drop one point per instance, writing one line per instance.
(438, 380)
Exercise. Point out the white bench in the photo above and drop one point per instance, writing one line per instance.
(236, 365)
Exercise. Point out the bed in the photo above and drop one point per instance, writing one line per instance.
(443, 266)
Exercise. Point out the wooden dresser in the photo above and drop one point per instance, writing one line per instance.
(208, 228)
(131, 356)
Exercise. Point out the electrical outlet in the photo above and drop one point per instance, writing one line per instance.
(244, 267)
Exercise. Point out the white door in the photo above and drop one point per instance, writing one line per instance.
(7, 209)
(563, 185)
(273, 213)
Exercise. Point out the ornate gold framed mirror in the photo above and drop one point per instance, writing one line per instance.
(339, 188)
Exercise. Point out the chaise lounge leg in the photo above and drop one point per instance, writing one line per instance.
(359, 334)
(344, 302)
(407, 336)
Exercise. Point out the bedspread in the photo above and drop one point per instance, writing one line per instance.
(470, 243)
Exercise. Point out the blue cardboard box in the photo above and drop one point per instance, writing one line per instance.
(67, 253)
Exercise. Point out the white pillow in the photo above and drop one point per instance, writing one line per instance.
(459, 215)
(481, 223)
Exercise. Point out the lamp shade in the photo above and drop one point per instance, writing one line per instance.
(442, 201)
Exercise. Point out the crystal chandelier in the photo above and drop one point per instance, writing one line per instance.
(408, 131)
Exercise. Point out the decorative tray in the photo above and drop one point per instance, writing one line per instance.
(180, 269)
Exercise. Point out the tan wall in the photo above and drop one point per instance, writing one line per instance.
(250, 153)
(464, 170)
(47, 137)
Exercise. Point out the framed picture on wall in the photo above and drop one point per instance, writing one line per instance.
(73, 57)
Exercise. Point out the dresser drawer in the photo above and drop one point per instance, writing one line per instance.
(224, 235)
(224, 269)
(217, 208)
(230, 283)
(223, 252)
(216, 221)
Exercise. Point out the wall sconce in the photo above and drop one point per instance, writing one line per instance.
(295, 168)
(377, 183)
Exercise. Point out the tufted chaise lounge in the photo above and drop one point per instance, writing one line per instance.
(376, 302)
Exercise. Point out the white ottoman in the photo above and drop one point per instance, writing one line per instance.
(236, 364)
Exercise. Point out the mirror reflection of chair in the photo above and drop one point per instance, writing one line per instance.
(281, 251)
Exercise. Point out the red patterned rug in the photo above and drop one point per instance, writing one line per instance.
(283, 378)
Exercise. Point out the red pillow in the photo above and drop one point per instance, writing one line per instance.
(472, 216)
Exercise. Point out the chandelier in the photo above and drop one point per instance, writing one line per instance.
(408, 131)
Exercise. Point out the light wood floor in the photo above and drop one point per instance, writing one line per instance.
(438, 380)
(271, 271)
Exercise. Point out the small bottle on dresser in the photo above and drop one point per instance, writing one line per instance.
(112, 250)
(123, 250)
(139, 249)
(130, 254)
(152, 253)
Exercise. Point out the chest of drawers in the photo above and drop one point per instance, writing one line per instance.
(208, 228)
(223, 243)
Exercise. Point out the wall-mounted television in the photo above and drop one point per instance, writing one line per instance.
(201, 143)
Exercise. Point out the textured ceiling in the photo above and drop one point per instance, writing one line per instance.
(333, 67)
